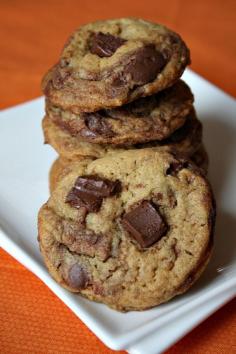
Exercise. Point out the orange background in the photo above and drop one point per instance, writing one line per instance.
(32, 319)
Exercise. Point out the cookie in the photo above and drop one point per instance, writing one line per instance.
(106, 64)
(61, 167)
(131, 230)
(58, 170)
(186, 139)
(201, 159)
(146, 119)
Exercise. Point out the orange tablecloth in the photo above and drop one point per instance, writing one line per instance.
(32, 319)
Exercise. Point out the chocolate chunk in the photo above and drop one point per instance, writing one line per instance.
(96, 124)
(144, 65)
(99, 187)
(89, 191)
(78, 199)
(145, 224)
(77, 277)
(85, 242)
(104, 44)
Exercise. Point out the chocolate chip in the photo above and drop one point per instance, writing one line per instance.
(77, 277)
(97, 125)
(175, 167)
(144, 65)
(145, 224)
(89, 191)
(104, 44)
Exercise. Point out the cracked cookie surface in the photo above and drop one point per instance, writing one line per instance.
(186, 140)
(114, 254)
(106, 64)
(146, 119)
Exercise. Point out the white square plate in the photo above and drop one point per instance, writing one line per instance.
(25, 163)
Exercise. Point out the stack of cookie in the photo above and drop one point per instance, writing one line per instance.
(125, 224)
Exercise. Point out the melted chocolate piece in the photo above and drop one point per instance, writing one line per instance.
(85, 242)
(144, 65)
(89, 191)
(77, 277)
(99, 187)
(145, 224)
(97, 125)
(104, 44)
(78, 199)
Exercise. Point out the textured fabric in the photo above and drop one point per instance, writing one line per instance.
(32, 319)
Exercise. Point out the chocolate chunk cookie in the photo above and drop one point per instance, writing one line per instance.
(151, 118)
(186, 139)
(106, 64)
(61, 166)
(201, 159)
(131, 230)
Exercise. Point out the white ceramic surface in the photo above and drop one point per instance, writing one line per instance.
(24, 166)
